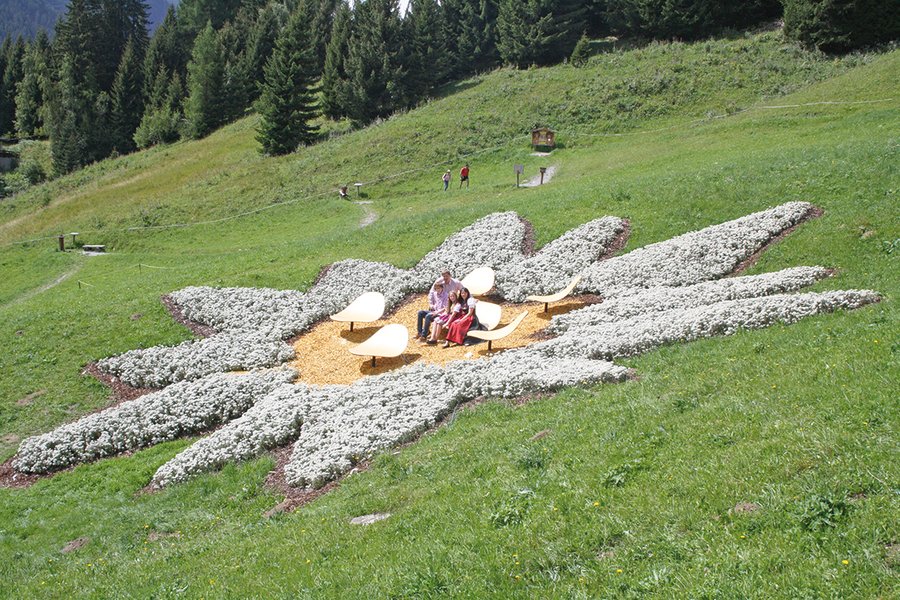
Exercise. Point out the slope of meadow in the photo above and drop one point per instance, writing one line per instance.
(797, 423)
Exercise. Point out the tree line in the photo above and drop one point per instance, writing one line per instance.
(102, 86)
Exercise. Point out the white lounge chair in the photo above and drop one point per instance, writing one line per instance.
(558, 295)
(488, 314)
(365, 309)
(498, 334)
(388, 342)
(480, 281)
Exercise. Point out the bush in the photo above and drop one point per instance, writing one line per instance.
(2, 187)
(582, 52)
(158, 127)
(33, 172)
(836, 26)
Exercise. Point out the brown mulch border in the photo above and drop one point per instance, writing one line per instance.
(813, 213)
(194, 327)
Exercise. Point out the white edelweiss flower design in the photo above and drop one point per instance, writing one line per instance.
(672, 291)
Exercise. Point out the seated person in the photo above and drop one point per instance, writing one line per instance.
(344, 195)
(437, 304)
(451, 311)
(459, 327)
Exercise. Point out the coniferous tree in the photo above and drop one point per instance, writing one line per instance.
(841, 25)
(119, 22)
(335, 83)
(428, 59)
(206, 76)
(162, 117)
(582, 52)
(32, 89)
(538, 31)
(374, 62)
(127, 100)
(12, 75)
(686, 19)
(165, 50)
(261, 44)
(470, 35)
(193, 15)
(69, 120)
(287, 104)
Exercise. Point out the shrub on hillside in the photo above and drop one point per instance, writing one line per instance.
(158, 127)
(841, 25)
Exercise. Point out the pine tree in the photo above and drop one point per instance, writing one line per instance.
(538, 31)
(127, 100)
(841, 25)
(165, 50)
(12, 75)
(335, 84)
(69, 120)
(287, 103)
(469, 33)
(32, 89)
(193, 15)
(375, 62)
(582, 52)
(206, 74)
(119, 22)
(162, 117)
(428, 58)
(261, 44)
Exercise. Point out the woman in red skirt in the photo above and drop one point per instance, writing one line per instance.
(459, 326)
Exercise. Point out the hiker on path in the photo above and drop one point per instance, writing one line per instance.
(446, 179)
(464, 176)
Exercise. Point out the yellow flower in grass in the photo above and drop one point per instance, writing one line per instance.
(845, 562)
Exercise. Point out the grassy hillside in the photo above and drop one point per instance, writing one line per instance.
(800, 421)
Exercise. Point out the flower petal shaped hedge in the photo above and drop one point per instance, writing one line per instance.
(669, 292)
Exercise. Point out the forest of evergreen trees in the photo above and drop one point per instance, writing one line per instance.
(99, 85)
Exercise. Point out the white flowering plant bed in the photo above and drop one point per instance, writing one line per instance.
(670, 292)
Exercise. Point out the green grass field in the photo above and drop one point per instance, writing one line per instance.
(801, 421)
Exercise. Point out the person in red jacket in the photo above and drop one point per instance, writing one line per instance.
(464, 176)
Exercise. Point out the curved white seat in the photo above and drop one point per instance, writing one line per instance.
(480, 281)
(498, 334)
(388, 342)
(365, 309)
(488, 314)
(558, 295)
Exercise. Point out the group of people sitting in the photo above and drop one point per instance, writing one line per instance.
(450, 314)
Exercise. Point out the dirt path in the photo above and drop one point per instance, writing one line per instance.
(369, 214)
(39, 290)
(536, 180)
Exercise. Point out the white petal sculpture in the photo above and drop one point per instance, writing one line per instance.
(388, 342)
(365, 309)
(558, 295)
(488, 314)
(498, 334)
(480, 281)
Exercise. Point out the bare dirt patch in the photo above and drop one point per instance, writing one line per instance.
(26, 400)
(75, 545)
(10, 439)
(745, 508)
